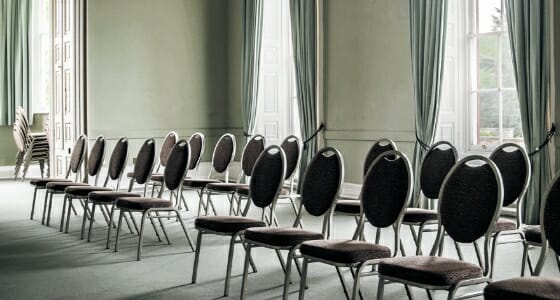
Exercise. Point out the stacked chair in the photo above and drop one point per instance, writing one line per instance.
(32, 146)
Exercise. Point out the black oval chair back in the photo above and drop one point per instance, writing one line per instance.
(387, 189)
(197, 143)
(268, 175)
(95, 160)
(168, 142)
(437, 163)
(514, 165)
(550, 215)
(224, 153)
(252, 150)
(379, 147)
(292, 148)
(117, 162)
(174, 173)
(145, 161)
(78, 154)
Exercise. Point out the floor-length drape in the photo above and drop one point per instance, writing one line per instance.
(303, 17)
(14, 58)
(250, 62)
(528, 23)
(428, 20)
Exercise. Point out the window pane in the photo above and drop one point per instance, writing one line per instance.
(511, 121)
(488, 62)
(508, 77)
(488, 119)
(489, 15)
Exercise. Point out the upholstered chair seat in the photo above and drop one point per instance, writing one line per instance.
(226, 187)
(281, 236)
(348, 206)
(430, 270)
(42, 182)
(226, 224)
(419, 215)
(527, 288)
(504, 224)
(244, 191)
(344, 251)
(141, 203)
(198, 182)
(533, 234)
(109, 196)
(62, 185)
(82, 191)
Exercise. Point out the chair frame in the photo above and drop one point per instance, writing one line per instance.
(84, 199)
(183, 200)
(147, 212)
(360, 266)
(243, 177)
(292, 256)
(485, 279)
(237, 238)
(155, 185)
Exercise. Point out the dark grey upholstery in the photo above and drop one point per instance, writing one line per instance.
(435, 166)
(223, 153)
(168, 143)
(419, 215)
(42, 182)
(429, 270)
(78, 154)
(109, 196)
(82, 191)
(281, 236)
(225, 187)
(322, 181)
(145, 161)
(503, 224)
(344, 251)
(513, 167)
(385, 189)
(196, 142)
(469, 201)
(95, 160)
(244, 191)
(374, 152)
(533, 234)
(268, 176)
(226, 224)
(551, 217)
(291, 147)
(117, 162)
(178, 162)
(524, 288)
(251, 152)
(140, 203)
(60, 186)
(348, 206)
(198, 182)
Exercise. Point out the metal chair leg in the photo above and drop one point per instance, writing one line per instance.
(341, 279)
(84, 218)
(33, 203)
(303, 281)
(287, 274)
(493, 253)
(141, 236)
(229, 263)
(91, 221)
(380, 288)
(184, 229)
(49, 211)
(245, 270)
(63, 213)
(118, 231)
(69, 199)
(155, 229)
(107, 245)
(196, 256)
(45, 207)
(163, 228)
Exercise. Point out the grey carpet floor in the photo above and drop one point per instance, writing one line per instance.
(39, 262)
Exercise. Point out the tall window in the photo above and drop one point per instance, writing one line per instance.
(40, 52)
(496, 117)
(479, 108)
(277, 113)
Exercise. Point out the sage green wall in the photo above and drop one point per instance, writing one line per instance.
(155, 66)
(367, 81)
(8, 149)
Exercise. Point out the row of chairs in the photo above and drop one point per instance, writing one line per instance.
(33, 147)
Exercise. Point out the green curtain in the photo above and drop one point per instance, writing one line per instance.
(250, 62)
(528, 23)
(303, 17)
(14, 58)
(428, 22)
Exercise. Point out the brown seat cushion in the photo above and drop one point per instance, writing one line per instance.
(198, 182)
(140, 203)
(533, 234)
(504, 224)
(130, 174)
(61, 186)
(344, 251)
(42, 182)
(429, 270)
(244, 191)
(419, 215)
(281, 236)
(157, 177)
(523, 288)
(348, 207)
(225, 187)
(81, 191)
(109, 196)
(227, 224)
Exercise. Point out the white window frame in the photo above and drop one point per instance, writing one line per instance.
(40, 29)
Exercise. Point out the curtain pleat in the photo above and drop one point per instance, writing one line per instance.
(250, 62)
(14, 58)
(528, 23)
(428, 22)
(303, 17)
